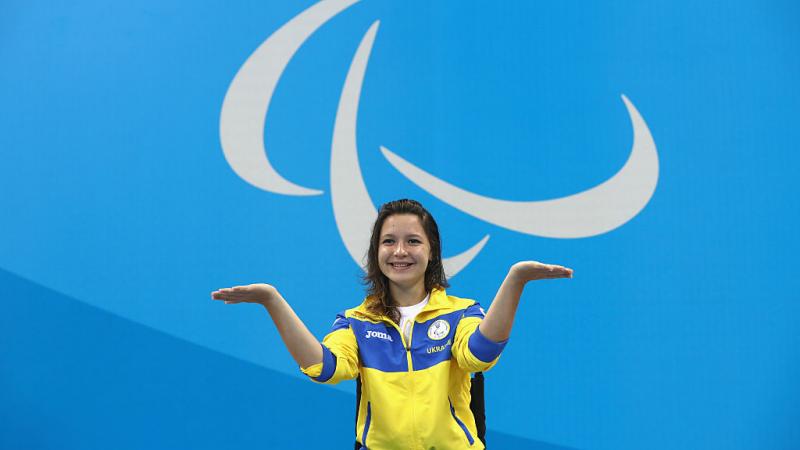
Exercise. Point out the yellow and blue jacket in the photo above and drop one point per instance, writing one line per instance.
(415, 395)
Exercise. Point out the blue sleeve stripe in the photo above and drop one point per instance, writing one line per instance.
(483, 348)
(328, 365)
(474, 310)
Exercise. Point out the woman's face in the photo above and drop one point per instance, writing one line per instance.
(403, 250)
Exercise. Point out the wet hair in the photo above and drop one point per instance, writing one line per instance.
(379, 299)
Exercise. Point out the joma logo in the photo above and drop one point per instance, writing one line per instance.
(379, 335)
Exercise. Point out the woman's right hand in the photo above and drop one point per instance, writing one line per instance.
(304, 347)
(252, 293)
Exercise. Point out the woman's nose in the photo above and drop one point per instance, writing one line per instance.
(400, 250)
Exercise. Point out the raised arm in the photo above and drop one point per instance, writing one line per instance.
(304, 347)
(496, 326)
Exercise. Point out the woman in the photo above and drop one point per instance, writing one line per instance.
(413, 345)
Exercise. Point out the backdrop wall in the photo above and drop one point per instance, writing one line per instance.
(155, 151)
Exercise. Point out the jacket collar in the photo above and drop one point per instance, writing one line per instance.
(438, 300)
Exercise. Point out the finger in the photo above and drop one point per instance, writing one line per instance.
(220, 295)
(232, 289)
(235, 297)
(557, 272)
(564, 273)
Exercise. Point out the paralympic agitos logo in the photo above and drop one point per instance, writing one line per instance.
(594, 211)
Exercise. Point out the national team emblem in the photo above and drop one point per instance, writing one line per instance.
(438, 330)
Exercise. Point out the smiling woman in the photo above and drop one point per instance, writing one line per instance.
(412, 345)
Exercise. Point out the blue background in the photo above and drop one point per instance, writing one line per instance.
(121, 214)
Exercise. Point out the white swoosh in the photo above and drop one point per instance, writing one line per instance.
(353, 209)
(244, 110)
(454, 264)
(588, 213)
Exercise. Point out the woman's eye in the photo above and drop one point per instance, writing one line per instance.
(388, 241)
(414, 241)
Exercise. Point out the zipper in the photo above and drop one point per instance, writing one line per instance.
(410, 370)
(411, 379)
(460, 423)
(410, 326)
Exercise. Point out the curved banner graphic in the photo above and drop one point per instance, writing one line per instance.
(594, 211)
(244, 109)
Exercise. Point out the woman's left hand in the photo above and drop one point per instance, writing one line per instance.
(525, 271)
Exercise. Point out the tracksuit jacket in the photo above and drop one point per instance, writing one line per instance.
(415, 395)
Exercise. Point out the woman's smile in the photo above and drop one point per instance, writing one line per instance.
(401, 265)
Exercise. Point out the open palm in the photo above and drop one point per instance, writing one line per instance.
(251, 293)
(534, 270)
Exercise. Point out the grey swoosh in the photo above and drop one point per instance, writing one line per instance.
(594, 211)
(244, 109)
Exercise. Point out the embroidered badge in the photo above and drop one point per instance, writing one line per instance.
(438, 330)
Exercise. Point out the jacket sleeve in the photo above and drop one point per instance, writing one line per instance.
(339, 355)
(472, 350)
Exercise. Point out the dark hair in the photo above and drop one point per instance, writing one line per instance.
(379, 299)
